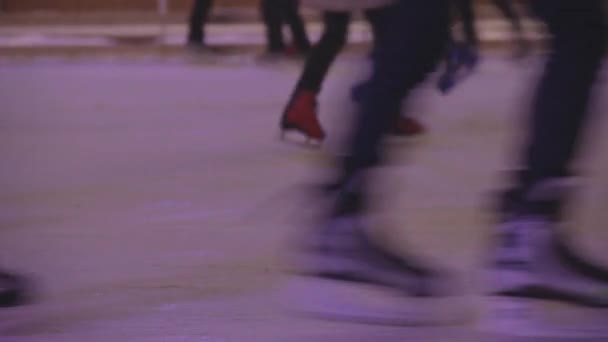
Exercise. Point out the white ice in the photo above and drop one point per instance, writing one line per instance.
(152, 200)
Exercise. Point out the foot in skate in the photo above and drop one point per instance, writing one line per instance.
(301, 116)
(538, 285)
(342, 273)
(408, 127)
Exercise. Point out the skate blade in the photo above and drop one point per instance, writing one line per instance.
(344, 301)
(296, 138)
(541, 319)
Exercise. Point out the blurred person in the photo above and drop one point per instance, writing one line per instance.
(341, 250)
(277, 13)
(300, 113)
(534, 256)
(531, 257)
(199, 16)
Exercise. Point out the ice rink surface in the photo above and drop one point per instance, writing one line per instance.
(151, 200)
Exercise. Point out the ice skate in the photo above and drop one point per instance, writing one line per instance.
(408, 127)
(301, 116)
(404, 126)
(538, 285)
(343, 273)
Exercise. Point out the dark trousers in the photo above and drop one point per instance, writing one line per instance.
(332, 41)
(324, 53)
(410, 44)
(198, 18)
(275, 14)
(560, 108)
(465, 12)
(508, 11)
(411, 39)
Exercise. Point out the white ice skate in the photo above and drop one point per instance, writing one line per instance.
(539, 288)
(344, 275)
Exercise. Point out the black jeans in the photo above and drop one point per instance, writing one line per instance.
(198, 18)
(410, 43)
(560, 109)
(465, 12)
(324, 53)
(275, 13)
(332, 41)
(411, 39)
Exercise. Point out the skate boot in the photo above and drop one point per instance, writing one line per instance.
(404, 127)
(408, 127)
(534, 265)
(301, 116)
(343, 273)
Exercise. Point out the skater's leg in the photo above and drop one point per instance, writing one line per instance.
(198, 19)
(508, 11)
(467, 52)
(372, 16)
(273, 21)
(533, 257)
(324, 53)
(560, 108)
(461, 57)
(466, 13)
(411, 39)
(297, 26)
(410, 42)
(404, 126)
(301, 110)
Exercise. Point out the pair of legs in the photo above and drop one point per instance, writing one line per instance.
(275, 14)
(531, 258)
(464, 10)
(198, 19)
(300, 111)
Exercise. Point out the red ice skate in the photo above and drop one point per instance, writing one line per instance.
(301, 116)
(408, 127)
